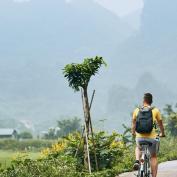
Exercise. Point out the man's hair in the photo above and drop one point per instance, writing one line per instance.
(148, 98)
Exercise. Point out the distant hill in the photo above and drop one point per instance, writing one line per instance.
(39, 37)
(153, 48)
(58, 29)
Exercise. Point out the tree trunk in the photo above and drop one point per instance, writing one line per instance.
(86, 108)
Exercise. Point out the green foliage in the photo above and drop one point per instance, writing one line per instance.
(78, 75)
(170, 117)
(62, 166)
(109, 149)
(51, 134)
(168, 110)
(172, 124)
(25, 135)
(168, 149)
(68, 126)
(113, 155)
(6, 156)
(127, 136)
(25, 144)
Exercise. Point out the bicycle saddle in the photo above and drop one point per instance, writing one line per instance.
(145, 143)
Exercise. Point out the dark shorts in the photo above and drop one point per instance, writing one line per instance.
(154, 149)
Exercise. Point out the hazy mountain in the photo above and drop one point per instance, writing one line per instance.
(39, 37)
(153, 48)
(40, 28)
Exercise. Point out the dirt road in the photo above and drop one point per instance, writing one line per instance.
(166, 169)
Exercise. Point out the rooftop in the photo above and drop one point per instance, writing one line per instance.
(7, 131)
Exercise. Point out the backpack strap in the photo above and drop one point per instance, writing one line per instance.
(142, 107)
(153, 107)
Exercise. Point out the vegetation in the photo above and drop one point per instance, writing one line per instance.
(63, 128)
(62, 166)
(114, 157)
(7, 156)
(25, 135)
(68, 126)
(170, 118)
(51, 134)
(65, 157)
(16, 145)
(78, 76)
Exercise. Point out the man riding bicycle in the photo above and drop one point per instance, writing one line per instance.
(144, 123)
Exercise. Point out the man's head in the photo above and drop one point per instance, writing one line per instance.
(148, 98)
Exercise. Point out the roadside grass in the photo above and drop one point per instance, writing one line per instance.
(168, 149)
(6, 156)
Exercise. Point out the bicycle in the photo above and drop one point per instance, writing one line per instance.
(145, 170)
(145, 165)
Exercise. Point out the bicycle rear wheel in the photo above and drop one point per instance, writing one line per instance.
(141, 174)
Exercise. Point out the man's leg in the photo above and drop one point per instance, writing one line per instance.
(137, 153)
(154, 165)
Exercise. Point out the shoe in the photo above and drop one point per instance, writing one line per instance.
(136, 165)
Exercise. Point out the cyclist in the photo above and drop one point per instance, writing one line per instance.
(143, 134)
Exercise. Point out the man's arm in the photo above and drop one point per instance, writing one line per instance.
(161, 126)
(133, 126)
(134, 122)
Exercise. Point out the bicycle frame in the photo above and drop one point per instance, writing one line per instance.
(145, 169)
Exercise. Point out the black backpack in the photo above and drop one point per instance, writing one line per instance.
(144, 120)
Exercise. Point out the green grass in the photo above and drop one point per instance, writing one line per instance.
(6, 156)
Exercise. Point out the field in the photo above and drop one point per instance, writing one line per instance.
(6, 156)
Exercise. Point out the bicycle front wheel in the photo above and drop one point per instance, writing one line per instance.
(141, 174)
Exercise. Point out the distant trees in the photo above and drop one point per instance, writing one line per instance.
(68, 126)
(51, 134)
(170, 117)
(63, 128)
(25, 135)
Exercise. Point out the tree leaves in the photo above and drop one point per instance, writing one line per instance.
(78, 75)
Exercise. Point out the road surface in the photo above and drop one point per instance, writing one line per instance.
(166, 169)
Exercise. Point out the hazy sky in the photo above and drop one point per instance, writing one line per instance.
(122, 7)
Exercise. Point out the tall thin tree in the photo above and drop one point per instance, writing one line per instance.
(78, 76)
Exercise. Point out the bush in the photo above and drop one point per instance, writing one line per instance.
(62, 166)
(109, 149)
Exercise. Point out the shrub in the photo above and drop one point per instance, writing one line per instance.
(62, 166)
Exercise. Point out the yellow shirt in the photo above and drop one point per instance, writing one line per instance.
(156, 117)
